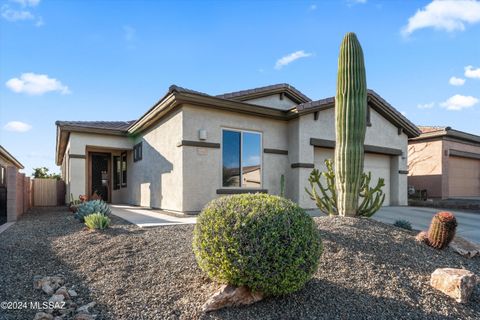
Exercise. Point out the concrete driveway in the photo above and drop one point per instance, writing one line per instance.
(419, 217)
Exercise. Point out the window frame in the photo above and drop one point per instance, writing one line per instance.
(138, 151)
(3, 176)
(241, 131)
(117, 172)
(123, 155)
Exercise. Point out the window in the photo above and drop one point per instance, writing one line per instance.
(2, 176)
(116, 172)
(242, 159)
(137, 152)
(124, 169)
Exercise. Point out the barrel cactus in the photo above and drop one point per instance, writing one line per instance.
(442, 230)
(89, 207)
(264, 242)
(350, 124)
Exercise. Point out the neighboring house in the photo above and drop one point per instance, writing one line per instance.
(190, 148)
(11, 187)
(445, 162)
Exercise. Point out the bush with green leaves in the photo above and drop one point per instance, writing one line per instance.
(265, 242)
(404, 224)
(97, 221)
(89, 207)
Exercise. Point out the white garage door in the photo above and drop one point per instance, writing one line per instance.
(463, 177)
(378, 165)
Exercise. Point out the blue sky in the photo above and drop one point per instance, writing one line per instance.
(111, 60)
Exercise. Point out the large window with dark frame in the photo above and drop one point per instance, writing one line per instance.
(242, 159)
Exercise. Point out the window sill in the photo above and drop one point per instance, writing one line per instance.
(241, 190)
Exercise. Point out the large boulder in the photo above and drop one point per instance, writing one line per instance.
(456, 283)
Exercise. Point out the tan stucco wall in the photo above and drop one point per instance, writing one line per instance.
(273, 101)
(202, 166)
(157, 180)
(426, 167)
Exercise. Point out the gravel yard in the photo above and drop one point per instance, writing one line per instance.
(368, 270)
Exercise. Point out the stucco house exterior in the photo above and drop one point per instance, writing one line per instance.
(445, 162)
(191, 147)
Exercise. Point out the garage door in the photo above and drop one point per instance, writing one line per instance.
(463, 177)
(379, 165)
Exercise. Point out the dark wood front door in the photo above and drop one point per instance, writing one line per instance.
(100, 175)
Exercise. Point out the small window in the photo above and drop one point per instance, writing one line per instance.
(124, 169)
(137, 152)
(242, 159)
(116, 172)
(2, 176)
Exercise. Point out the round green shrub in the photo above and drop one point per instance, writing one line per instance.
(265, 242)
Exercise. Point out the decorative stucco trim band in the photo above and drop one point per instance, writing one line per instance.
(403, 171)
(275, 151)
(77, 156)
(240, 191)
(368, 148)
(302, 165)
(190, 143)
(464, 154)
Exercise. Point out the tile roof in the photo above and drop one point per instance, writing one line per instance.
(239, 94)
(426, 129)
(107, 125)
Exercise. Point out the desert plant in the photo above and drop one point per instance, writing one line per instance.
(441, 231)
(326, 199)
(282, 185)
(89, 207)
(97, 221)
(350, 124)
(74, 203)
(265, 242)
(404, 224)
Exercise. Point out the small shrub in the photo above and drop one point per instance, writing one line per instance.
(404, 224)
(97, 221)
(89, 207)
(265, 242)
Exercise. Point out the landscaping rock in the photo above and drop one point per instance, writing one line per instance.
(37, 282)
(47, 289)
(56, 298)
(85, 308)
(230, 296)
(43, 316)
(72, 293)
(465, 248)
(456, 283)
(63, 291)
(84, 316)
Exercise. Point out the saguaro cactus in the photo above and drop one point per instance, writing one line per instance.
(350, 124)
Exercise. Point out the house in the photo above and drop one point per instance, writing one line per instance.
(191, 147)
(445, 162)
(13, 202)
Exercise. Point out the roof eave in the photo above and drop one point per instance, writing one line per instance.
(7, 155)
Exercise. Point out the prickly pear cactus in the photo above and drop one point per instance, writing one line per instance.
(350, 124)
(89, 207)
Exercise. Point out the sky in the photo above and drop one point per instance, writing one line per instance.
(112, 60)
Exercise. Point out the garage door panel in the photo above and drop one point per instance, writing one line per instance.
(463, 177)
(378, 165)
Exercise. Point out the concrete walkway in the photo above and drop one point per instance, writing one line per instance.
(5, 226)
(144, 217)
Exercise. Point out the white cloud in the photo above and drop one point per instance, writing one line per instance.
(129, 33)
(36, 84)
(282, 62)
(27, 3)
(459, 102)
(470, 72)
(426, 105)
(449, 15)
(16, 15)
(454, 81)
(17, 126)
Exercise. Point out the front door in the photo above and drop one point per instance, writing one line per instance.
(100, 175)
